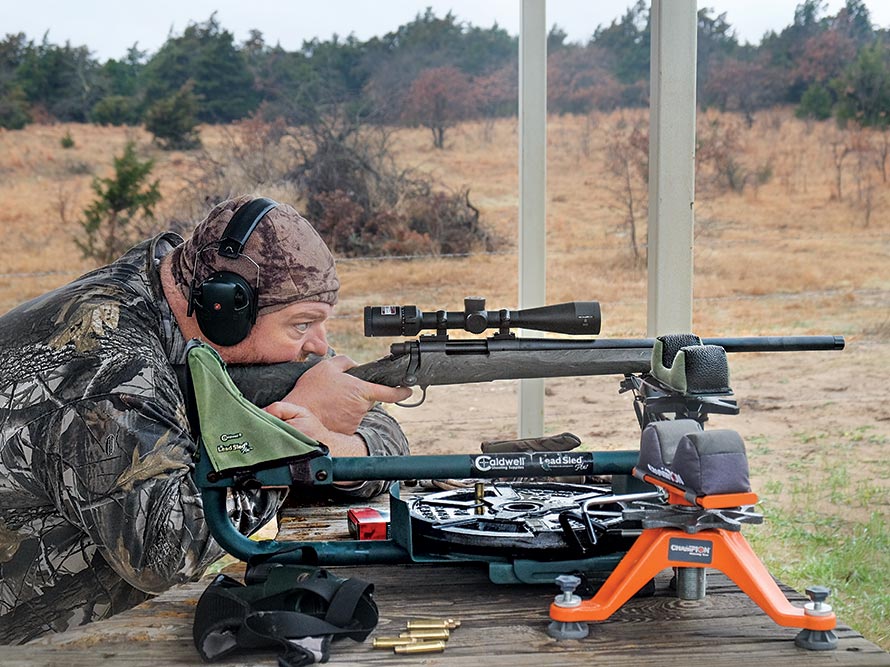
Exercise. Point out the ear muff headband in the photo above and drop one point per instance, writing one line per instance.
(241, 226)
(225, 303)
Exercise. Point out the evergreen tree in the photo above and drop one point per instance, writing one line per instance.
(111, 223)
(816, 103)
(62, 79)
(864, 91)
(123, 77)
(173, 120)
(206, 55)
(115, 110)
(13, 101)
(627, 40)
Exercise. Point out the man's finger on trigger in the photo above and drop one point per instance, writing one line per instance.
(390, 394)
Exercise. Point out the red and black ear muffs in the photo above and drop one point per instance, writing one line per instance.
(225, 303)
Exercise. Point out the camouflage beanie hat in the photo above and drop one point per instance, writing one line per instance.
(294, 262)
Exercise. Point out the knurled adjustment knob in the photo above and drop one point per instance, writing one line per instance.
(567, 584)
(475, 318)
(817, 606)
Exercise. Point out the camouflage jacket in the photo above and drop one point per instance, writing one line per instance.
(98, 509)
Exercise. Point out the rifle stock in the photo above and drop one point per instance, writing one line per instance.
(428, 361)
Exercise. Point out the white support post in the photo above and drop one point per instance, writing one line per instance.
(671, 165)
(532, 189)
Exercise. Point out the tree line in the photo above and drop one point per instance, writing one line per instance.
(437, 71)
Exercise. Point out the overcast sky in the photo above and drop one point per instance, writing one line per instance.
(110, 27)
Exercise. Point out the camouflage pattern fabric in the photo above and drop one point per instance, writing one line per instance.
(98, 510)
(284, 255)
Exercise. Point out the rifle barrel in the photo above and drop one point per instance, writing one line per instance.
(777, 343)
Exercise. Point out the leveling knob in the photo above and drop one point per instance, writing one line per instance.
(817, 640)
(817, 606)
(567, 584)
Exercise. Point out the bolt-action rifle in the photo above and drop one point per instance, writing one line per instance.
(439, 360)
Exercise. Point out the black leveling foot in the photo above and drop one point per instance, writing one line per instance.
(570, 630)
(817, 640)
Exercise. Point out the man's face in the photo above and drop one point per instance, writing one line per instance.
(289, 334)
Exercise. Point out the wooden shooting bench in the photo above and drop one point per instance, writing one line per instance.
(500, 624)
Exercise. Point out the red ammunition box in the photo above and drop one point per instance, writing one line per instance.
(366, 523)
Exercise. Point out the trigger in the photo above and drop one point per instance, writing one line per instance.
(402, 404)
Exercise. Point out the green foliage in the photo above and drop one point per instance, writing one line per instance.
(627, 42)
(122, 78)
(14, 113)
(67, 141)
(854, 20)
(816, 103)
(116, 110)
(837, 527)
(61, 79)
(864, 90)
(715, 43)
(299, 86)
(111, 222)
(206, 55)
(372, 79)
(173, 121)
(397, 59)
(13, 101)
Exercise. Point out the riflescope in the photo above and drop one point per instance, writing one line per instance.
(575, 317)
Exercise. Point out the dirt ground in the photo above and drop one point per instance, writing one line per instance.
(798, 410)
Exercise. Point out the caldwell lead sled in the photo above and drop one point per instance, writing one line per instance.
(526, 531)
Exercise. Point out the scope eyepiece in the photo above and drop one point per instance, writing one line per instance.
(392, 321)
(574, 318)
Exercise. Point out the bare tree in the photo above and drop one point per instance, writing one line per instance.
(440, 98)
(840, 149)
(627, 157)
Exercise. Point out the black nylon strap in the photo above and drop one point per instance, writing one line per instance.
(345, 602)
(291, 603)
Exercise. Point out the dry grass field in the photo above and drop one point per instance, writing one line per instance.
(786, 255)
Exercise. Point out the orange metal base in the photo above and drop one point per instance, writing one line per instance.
(657, 549)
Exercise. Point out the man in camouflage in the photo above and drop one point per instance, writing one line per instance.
(98, 510)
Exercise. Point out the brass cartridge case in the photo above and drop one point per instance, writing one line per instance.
(433, 623)
(438, 633)
(421, 647)
(392, 642)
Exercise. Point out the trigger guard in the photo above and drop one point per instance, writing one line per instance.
(402, 404)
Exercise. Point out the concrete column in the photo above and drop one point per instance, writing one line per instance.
(671, 166)
(532, 189)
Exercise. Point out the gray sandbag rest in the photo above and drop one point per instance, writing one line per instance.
(700, 462)
(681, 362)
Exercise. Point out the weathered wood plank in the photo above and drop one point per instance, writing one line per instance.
(501, 625)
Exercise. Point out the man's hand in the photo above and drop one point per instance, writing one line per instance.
(338, 400)
(300, 418)
(307, 423)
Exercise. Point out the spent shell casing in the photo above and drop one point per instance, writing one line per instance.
(438, 633)
(433, 624)
(391, 642)
(421, 647)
